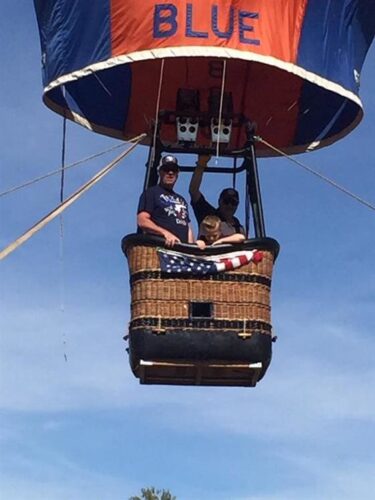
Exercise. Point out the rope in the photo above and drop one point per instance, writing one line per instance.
(221, 107)
(62, 270)
(63, 148)
(157, 110)
(54, 172)
(317, 174)
(70, 200)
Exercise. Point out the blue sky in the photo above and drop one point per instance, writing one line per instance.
(85, 428)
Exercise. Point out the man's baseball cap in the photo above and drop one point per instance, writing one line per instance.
(169, 162)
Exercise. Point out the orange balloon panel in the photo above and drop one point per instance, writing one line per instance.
(139, 26)
(253, 88)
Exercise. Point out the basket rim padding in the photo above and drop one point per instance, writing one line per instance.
(134, 239)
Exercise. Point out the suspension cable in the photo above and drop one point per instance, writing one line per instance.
(58, 171)
(70, 200)
(317, 174)
(151, 159)
(157, 109)
(221, 107)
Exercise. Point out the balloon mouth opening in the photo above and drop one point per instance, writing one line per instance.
(196, 110)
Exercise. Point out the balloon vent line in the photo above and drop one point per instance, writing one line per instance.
(317, 174)
(62, 288)
(59, 170)
(70, 200)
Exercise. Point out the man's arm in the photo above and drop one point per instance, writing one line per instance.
(191, 238)
(145, 222)
(196, 179)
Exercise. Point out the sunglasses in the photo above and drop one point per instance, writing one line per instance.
(169, 169)
(230, 201)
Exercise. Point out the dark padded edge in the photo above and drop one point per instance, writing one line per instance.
(236, 278)
(155, 241)
(151, 323)
(178, 345)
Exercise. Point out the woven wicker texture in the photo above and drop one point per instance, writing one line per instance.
(180, 309)
(172, 290)
(146, 259)
(239, 300)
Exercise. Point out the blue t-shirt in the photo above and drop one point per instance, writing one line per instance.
(168, 210)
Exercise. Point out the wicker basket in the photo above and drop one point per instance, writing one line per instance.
(240, 296)
(177, 316)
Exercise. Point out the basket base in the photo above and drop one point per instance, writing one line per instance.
(193, 373)
(222, 358)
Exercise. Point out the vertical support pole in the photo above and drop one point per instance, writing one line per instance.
(253, 190)
(234, 172)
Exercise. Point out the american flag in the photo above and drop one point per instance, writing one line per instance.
(176, 262)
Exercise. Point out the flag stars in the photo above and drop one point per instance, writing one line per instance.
(183, 263)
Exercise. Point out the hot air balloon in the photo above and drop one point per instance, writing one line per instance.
(206, 77)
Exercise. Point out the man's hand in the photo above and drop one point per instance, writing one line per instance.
(170, 239)
(203, 160)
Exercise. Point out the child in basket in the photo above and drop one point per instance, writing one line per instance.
(210, 233)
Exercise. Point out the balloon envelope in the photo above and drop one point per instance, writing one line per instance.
(291, 66)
